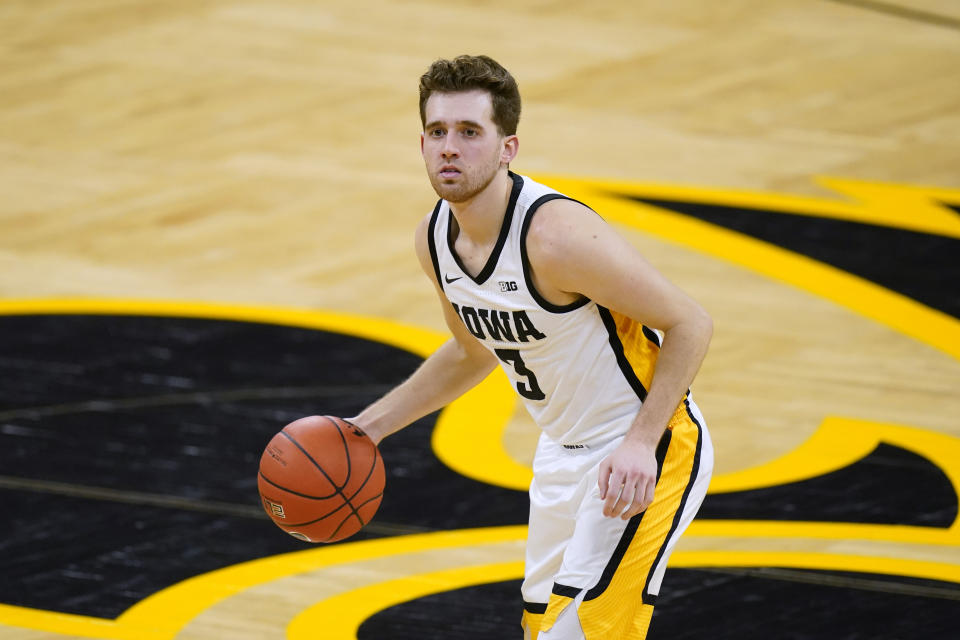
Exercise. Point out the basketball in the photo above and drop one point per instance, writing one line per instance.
(321, 479)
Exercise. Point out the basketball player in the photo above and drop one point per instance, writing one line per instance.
(600, 346)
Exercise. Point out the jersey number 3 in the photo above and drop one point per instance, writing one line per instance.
(530, 389)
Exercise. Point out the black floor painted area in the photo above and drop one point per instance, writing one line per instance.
(481, 612)
(98, 558)
(701, 604)
(923, 266)
(138, 413)
(742, 607)
(889, 486)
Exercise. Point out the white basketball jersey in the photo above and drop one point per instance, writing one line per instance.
(581, 369)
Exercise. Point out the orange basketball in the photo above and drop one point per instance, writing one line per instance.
(321, 479)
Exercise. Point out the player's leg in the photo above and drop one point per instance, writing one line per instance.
(612, 570)
(553, 509)
(567, 477)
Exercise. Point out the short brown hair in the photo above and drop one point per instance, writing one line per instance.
(466, 73)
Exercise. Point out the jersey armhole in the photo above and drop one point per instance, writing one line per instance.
(527, 273)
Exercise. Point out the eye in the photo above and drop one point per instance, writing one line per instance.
(470, 133)
(436, 133)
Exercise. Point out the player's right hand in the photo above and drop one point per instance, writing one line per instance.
(627, 479)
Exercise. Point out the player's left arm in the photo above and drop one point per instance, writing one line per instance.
(574, 252)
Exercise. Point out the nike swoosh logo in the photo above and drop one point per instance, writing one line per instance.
(451, 280)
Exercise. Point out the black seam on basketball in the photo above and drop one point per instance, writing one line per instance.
(365, 503)
(346, 450)
(296, 493)
(308, 522)
(336, 531)
(343, 522)
(376, 456)
(356, 510)
(342, 505)
(346, 500)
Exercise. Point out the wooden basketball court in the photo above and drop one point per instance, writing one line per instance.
(188, 184)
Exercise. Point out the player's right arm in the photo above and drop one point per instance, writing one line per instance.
(456, 367)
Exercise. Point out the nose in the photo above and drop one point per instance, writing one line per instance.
(448, 149)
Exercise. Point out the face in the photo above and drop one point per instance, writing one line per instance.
(462, 148)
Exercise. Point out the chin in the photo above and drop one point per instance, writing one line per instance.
(451, 191)
(453, 195)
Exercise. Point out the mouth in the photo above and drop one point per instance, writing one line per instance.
(448, 172)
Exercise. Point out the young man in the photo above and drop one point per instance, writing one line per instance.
(539, 284)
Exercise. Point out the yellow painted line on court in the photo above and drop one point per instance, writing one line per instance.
(907, 534)
(76, 626)
(417, 340)
(162, 615)
(880, 304)
(818, 561)
(840, 442)
(470, 433)
(831, 447)
(910, 207)
(182, 602)
(340, 617)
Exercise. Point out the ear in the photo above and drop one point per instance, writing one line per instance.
(421, 144)
(511, 146)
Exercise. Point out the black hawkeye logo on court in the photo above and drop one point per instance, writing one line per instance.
(505, 326)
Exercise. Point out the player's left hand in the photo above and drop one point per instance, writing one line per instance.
(627, 479)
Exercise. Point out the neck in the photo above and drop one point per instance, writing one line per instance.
(481, 217)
